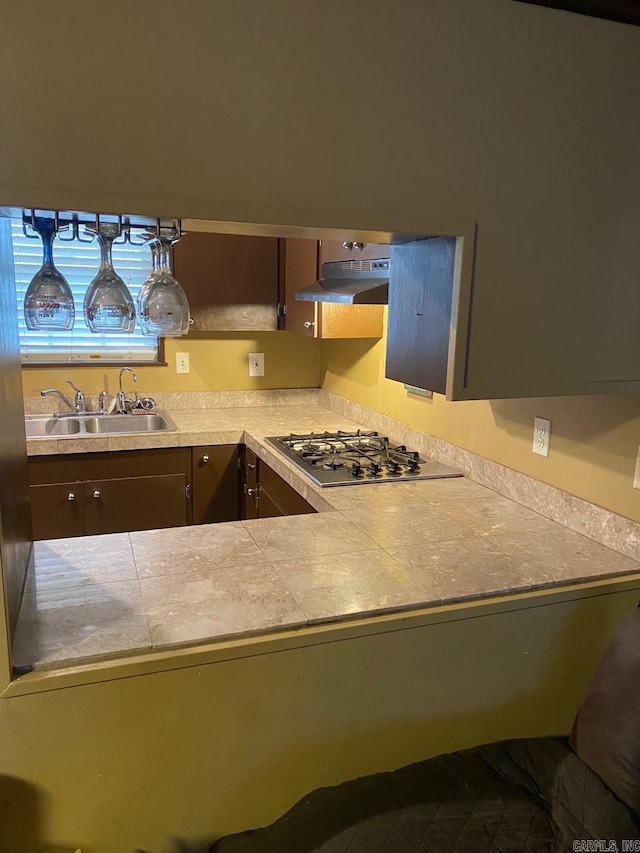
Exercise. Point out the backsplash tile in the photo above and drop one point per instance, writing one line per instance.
(193, 400)
(615, 531)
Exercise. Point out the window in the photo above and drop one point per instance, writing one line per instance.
(79, 262)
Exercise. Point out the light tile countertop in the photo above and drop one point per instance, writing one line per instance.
(371, 549)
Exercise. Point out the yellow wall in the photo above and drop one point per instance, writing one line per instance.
(218, 362)
(594, 440)
(172, 760)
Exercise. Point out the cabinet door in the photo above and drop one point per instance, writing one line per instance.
(300, 261)
(231, 281)
(335, 250)
(215, 483)
(249, 484)
(57, 511)
(267, 508)
(323, 319)
(420, 295)
(135, 503)
(274, 491)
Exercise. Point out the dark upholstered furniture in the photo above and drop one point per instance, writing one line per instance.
(533, 795)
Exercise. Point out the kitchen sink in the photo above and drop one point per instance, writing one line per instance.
(43, 426)
(84, 426)
(118, 424)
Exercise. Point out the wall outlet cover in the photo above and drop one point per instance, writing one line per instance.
(541, 436)
(182, 362)
(256, 364)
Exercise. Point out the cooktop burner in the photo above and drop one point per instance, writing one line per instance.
(346, 458)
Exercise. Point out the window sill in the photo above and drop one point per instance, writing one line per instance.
(58, 365)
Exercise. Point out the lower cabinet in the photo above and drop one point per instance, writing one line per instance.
(108, 506)
(57, 510)
(266, 494)
(215, 484)
(135, 503)
(90, 493)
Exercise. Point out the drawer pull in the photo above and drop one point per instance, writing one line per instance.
(204, 460)
(308, 324)
(96, 494)
(71, 496)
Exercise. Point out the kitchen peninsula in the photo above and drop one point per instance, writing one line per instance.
(368, 551)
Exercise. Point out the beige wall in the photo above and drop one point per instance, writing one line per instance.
(594, 440)
(218, 363)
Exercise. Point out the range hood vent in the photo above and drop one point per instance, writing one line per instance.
(350, 283)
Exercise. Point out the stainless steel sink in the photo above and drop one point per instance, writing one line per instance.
(84, 426)
(118, 424)
(43, 426)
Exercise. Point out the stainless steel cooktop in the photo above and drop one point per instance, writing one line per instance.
(349, 458)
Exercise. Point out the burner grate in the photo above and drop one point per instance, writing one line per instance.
(341, 457)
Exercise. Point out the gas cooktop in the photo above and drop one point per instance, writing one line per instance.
(349, 458)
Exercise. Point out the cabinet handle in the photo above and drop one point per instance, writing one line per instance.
(250, 465)
(251, 492)
(359, 246)
(308, 324)
(71, 496)
(204, 459)
(96, 494)
(348, 244)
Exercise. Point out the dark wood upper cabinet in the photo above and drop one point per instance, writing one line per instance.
(337, 250)
(301, 261)
(300, 265)
(420, 296)
(232, 281)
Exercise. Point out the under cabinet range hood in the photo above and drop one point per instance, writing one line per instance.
(350, 283)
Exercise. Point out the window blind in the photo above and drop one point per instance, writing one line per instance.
(78, 262)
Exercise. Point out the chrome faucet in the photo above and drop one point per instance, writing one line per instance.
(121, 400)
(78, 406)
(62, 396)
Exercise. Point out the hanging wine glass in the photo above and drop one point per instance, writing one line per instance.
(48, 302)
(156, 265)
(108, 306)
(163, 307)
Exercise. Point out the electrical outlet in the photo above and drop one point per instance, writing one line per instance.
(541, 436)
(636, 479)
(256, 364)
(182, 362)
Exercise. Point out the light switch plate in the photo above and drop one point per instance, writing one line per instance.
(541, 436)
(182, 362)
(256, 364)
(636, 479)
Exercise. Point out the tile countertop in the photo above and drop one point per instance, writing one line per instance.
(371, 549)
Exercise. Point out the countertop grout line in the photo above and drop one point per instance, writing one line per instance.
(290, 591)
(142, 602)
